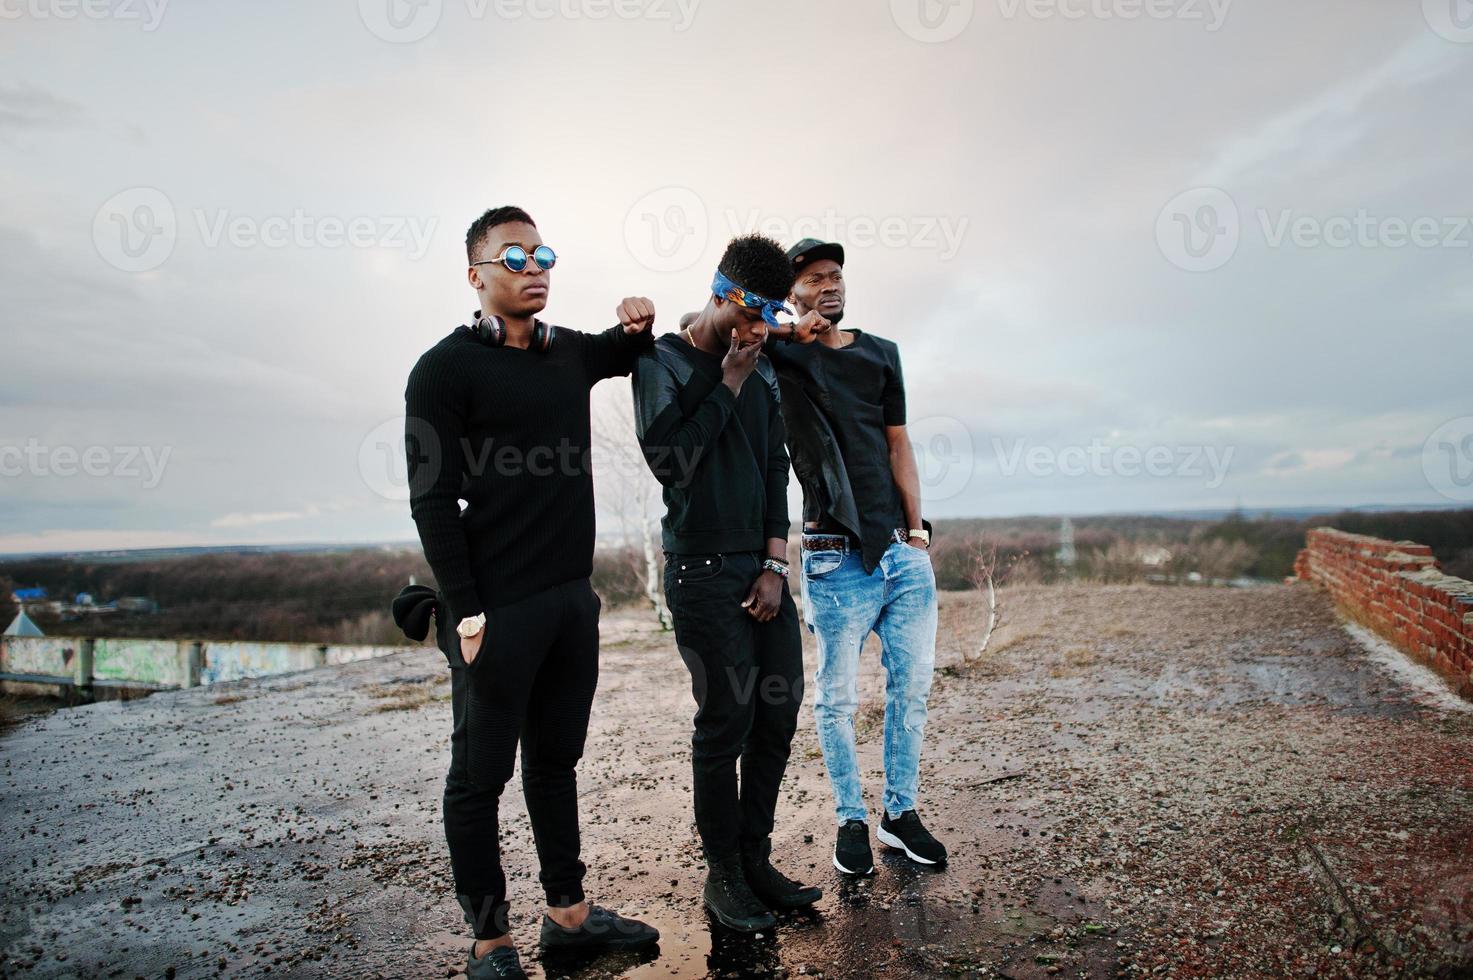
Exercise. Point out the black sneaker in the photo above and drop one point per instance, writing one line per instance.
(730, 898)
(851, 851)
(906, 833)
(773, 888)
(602, 929)
(499, 963)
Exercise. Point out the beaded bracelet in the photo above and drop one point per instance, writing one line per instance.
(776, 565)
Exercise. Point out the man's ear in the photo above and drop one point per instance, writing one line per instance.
(473, 276)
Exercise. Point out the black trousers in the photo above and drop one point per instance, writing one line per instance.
(532, 682)
(747, 678)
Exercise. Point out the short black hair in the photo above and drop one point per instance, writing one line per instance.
(503, 215)
(758, 263)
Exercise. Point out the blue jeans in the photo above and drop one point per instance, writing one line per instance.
(842, 605)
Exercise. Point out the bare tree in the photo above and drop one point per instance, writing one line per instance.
(1214, 559)
(631, 493)
(982, 572)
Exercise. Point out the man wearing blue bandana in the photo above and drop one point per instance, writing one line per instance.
(708, 421)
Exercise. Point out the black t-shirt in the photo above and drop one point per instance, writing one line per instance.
(836, 404)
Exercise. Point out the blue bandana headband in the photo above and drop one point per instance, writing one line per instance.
(726, 289)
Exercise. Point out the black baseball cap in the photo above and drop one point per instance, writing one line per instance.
(811, 250)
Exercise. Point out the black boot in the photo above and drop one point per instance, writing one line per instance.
(770, 885)
(729, 898)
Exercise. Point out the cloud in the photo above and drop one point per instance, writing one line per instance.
(25, 107)
(1314, 134)
(1057, 320)
(250, 520)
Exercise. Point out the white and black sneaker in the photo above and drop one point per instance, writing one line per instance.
(852, 855)
(907, 834)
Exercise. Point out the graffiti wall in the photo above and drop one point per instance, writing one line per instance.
(232, 661)
(160, 663)
(54, 656)
(167, 663)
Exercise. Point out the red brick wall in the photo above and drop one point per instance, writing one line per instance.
(1397, 589)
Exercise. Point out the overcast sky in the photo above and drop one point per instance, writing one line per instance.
(1138, 254)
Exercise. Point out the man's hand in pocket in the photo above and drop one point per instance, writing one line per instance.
(470, 647)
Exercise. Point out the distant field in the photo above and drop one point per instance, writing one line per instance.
(341, 594)
(1228, 547)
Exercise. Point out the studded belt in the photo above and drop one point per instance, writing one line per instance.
(838, 542)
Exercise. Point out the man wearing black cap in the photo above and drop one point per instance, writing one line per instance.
(865, 562)
(707, 417)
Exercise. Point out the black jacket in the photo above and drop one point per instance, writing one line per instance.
(837, 405)
(720, 457)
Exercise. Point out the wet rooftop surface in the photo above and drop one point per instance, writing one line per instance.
(1133, 779)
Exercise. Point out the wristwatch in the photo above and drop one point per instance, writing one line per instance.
(922, 533)
(471, 625)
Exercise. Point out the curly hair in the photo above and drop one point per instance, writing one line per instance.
(758, 263)
(503, 215)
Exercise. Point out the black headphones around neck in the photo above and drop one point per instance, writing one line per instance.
(491, 331)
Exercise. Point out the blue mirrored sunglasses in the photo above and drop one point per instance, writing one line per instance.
(514, 257)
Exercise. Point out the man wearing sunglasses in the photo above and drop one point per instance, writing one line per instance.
(706, 414)
(864, 551)
(497, 414)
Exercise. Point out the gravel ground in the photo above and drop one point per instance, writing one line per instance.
(1133, 780)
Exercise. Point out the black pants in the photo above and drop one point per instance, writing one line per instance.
(532, 681)
(747, 678)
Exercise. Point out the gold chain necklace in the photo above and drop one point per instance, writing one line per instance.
(690, 336)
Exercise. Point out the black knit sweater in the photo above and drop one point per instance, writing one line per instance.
(507, 431)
